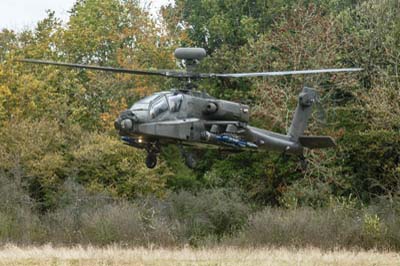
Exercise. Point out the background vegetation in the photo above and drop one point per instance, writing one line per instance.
(65, 177)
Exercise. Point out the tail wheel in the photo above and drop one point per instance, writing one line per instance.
(151, 160)
(190, 160)
(303, 163)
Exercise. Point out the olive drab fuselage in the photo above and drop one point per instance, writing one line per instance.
(197, 119)
(183, 116)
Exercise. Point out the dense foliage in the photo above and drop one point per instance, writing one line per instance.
(57, 138)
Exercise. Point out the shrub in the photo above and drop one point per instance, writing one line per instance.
(299, 227)
(209, 212)
(103, 163)
(340, 226)
(179, 219)
(18, 221)
(370, 163)
(97, 218)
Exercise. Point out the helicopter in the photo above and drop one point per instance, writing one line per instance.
(187, 117)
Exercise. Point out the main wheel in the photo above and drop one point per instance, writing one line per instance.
(303, 163)
(190, 160)
(151, 160)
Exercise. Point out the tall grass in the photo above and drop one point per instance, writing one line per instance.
(323, 228)
(222, 256)
(181, 218)
(209, 217)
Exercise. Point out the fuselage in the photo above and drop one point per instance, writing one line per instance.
(196, 118)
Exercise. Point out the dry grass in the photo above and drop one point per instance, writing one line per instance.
(113, 255)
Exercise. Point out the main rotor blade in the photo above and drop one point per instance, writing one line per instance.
(182, 74)
(166, 73)
(284, 73)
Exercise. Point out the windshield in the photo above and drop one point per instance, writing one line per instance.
(175, 102)
(143, 104)
(158, 107)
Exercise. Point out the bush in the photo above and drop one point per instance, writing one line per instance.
(99, 219)
(340, 226)
(209, 212)
(179, 219)
(370, 163)
(298, 228)
(103, 163)
(18, 221)
(260, 175)
(208, 217)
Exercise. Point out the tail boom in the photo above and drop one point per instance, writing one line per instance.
(295, 141)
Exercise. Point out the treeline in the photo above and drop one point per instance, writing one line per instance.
(62, 165)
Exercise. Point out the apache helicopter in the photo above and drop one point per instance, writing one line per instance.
(187, 117)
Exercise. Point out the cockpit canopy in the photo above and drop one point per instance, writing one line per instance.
(159, 103)
(175, 102)
(143, 104)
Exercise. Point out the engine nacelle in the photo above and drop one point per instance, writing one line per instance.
(210, 108)
(226, 110)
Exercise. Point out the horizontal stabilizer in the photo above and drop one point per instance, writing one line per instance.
(317, 142)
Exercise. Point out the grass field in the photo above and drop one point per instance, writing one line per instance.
(113, 255)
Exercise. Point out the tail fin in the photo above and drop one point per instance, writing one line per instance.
(302, 113)
(300, 120)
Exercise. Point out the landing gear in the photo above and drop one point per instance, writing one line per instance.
(303, 163)
(190, 158)
(152, 150)
(151, 160)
